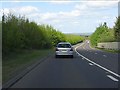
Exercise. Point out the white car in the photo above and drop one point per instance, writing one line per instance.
(64, 49)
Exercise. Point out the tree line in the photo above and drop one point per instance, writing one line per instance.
(74, 39)
(105, 34)
(20, 33)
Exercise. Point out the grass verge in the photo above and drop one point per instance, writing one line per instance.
(106, 50)
(109, 50)
(13, 64)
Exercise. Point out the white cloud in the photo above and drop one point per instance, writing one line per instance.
(28, 9)
(20, 10)
(81, 6)
(16, 1)
(5, 10)
(48, 15)
(60, 26)
(56, 21)
(73, 13)
(76, 22)
(95, 4)
(56, 16)
(101, 3)
(109, 19)
(106, 17)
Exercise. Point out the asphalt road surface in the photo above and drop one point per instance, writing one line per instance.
(89, 68)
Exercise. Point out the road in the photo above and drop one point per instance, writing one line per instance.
(89, 68)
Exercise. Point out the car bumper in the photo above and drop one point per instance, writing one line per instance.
(64, 53)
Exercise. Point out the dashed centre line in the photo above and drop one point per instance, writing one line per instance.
(111, 77)
(83, 58)
(104, 55)
(90, 64)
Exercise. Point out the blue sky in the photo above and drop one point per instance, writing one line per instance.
(66, 16)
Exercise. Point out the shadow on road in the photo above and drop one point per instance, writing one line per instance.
(64, 56)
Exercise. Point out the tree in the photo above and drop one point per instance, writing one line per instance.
(102, 34)
(117, 29)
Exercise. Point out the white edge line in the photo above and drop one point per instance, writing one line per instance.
(96, 63)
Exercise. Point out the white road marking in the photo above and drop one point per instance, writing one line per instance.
(90, 64)
(111, 77)
(104, 55)
(96, 63)
(83, 58)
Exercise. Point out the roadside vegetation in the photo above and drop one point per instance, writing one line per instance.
(117, 29)
(102, 34)
(20, 33)
(25, 42)
(105, 34)
(74, 39)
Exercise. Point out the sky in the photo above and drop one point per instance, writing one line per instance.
(80, 16)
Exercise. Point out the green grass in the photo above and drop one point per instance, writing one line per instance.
(17, 62)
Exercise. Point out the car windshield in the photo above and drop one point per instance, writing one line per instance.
(64, 46)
